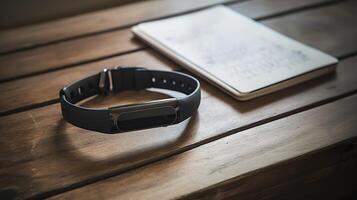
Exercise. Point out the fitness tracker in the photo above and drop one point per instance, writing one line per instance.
(130, 117)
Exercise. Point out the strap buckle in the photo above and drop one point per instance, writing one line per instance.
(105, 82)
(119, 79)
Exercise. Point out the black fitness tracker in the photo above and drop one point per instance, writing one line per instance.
(131, 117)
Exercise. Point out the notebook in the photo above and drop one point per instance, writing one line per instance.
(239, 55)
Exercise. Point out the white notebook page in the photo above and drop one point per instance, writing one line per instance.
(237, 50)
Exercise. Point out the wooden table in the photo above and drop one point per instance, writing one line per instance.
(299, 143)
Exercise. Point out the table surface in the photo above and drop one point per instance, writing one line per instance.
(297, 143)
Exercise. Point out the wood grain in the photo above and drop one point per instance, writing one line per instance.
(100, 46)
(241, 160)
(334, 19)
(94, 22)
(20, 92)
(306, 177)
(37, 145)
(67, 53)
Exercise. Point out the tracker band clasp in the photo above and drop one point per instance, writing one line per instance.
(105, 82)
(118, 79)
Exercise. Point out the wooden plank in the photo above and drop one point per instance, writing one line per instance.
(31, 12)
(295, 145)
(123, 16)
(302, 23)
(20, 92)
(38, 145)
(72, 52)
(303, 178)
(67, 53)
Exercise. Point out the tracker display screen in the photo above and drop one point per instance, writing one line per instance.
(147, 118)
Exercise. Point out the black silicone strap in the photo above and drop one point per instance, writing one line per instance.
(121, 79)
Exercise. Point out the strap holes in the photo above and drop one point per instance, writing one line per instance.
(182, 84)
(173, 82)
(164, 80)
(80, 90)
(189, 88)
(153, 79)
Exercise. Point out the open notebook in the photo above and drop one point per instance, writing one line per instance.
(235, 53)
